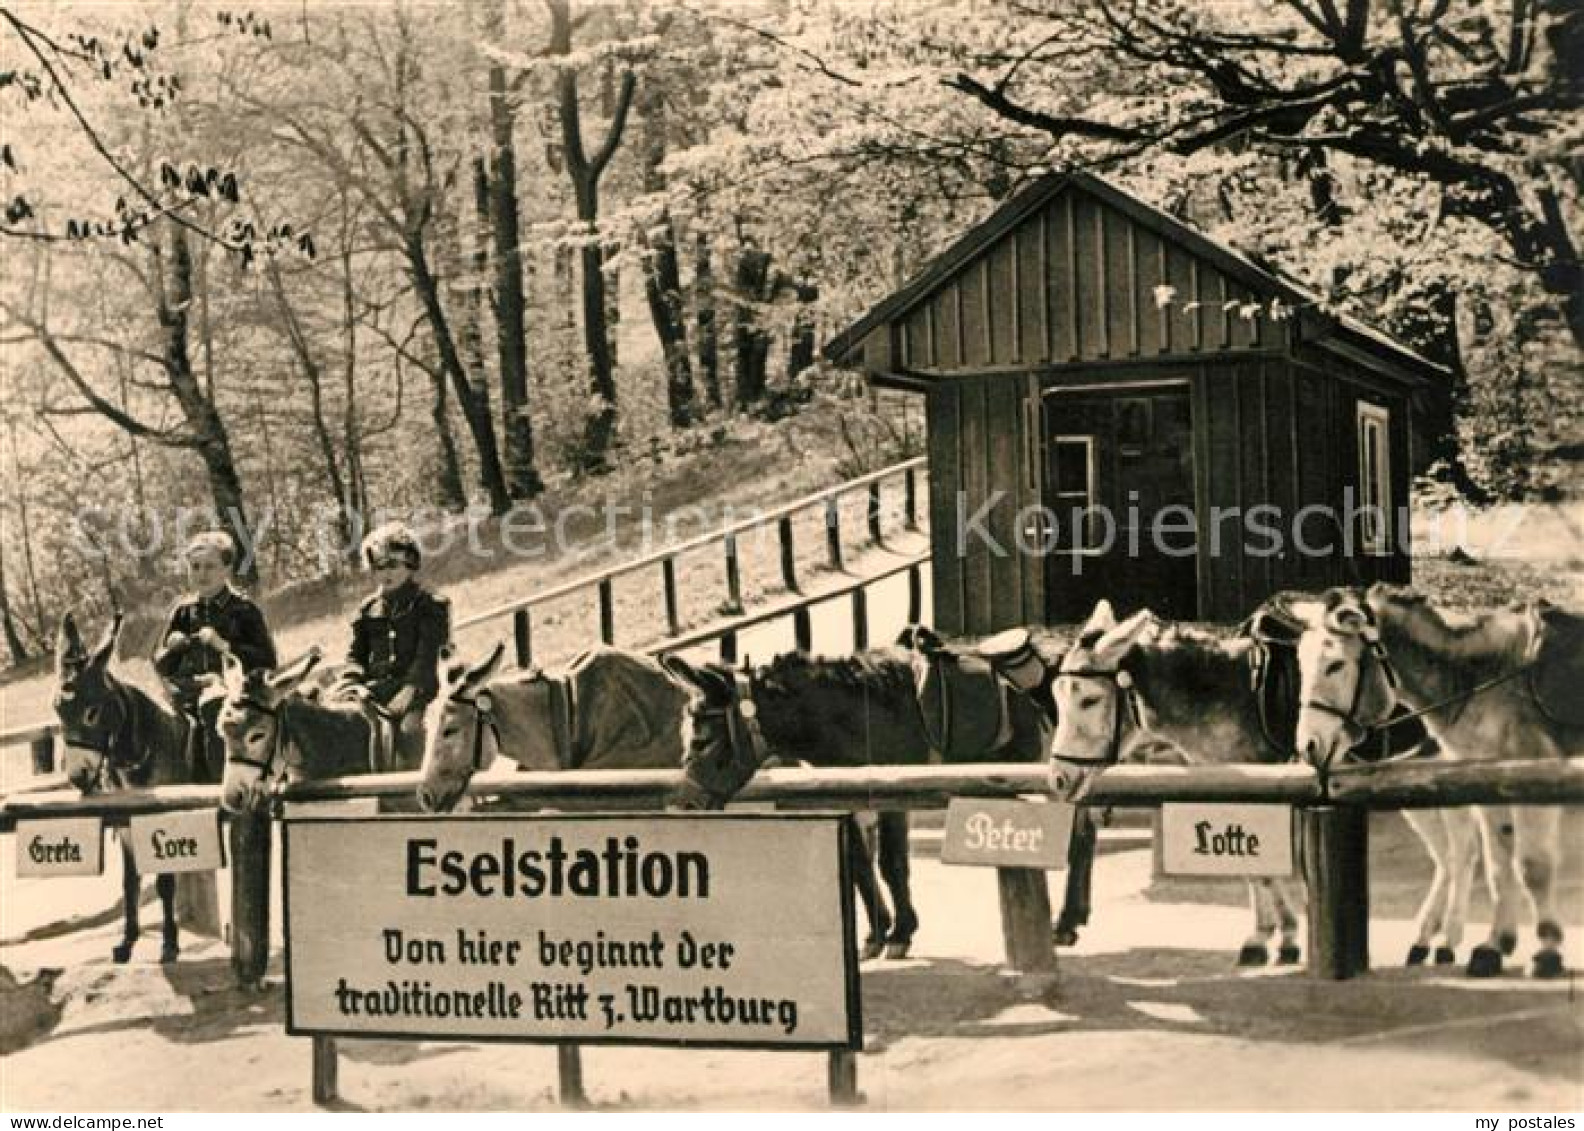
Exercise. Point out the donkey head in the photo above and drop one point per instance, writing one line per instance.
(252, 728)
(722, 746)
(93, 711)
(1346, 683)
(1089, 690)
(456, 746)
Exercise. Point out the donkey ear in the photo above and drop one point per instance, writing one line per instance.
(285, 680)
(69, 646)
(1103, 619)
(1111, 647)
(107, 643)
(681, 671)
(234, 674)
(485, 671)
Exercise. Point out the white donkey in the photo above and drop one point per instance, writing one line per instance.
(1502, 685)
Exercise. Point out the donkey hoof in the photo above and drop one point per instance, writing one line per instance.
(1508, 941)
(1065, 936)
(169, 953)
(1548, 964)
(1288, 955)
(1484, 962)
(1417, 955)
(897, 949)
(1445, 956)
(871, 949)
(1253, 954)
(121, 953)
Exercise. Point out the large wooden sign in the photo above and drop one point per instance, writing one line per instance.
(724, 929)
(70, 846)
(1005, 833)
(176, 842)
(1226, 840)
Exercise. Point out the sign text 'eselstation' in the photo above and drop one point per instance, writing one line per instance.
(722, 930)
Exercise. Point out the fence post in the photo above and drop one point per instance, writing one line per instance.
(728, 647)
(915, 595)
(42, 749)
(734, 602)
(522, 633)
(607, 603)
(788, 560)
(1026, 920)
(249, 841)
(874, 512)
(833, 544)
(1335, 855)
(668, 583)
(324, 1070)
(569, 1073)
(802, 629)
(911, 504)
(842, 1076)
(860, 619)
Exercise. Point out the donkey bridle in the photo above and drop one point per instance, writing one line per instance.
(742, 721)
(278, 745)
(111, 743)
(1125, 704)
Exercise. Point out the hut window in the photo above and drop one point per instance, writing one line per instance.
(1074, 464)
(1375, 496)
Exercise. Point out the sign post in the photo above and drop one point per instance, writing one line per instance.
(732, 930)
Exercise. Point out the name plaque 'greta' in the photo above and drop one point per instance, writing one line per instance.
(1226, 840)
(176, 842)
(69, 846)
(725, 929)
(1007, 833)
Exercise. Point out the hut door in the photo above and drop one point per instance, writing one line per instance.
(1113, 462)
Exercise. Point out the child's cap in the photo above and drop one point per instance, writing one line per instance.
(392, 541)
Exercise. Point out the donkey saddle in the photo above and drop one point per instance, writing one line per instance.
(1558, 672)
(964, 695)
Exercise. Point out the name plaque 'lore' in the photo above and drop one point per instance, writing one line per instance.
(1226, 840)
(724, 929)
(176, 842)
(70, 846)
(1006, 833)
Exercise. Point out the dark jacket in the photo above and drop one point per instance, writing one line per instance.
(396, 643)
(237, 621)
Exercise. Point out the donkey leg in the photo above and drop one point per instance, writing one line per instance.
(1539, 852)
(1080, 877)
(1463, 840)
(1431, 919)
(1498, 835)
(1288, 903)
(131, 883)
(170, 933)
(868, 888)
(896, 869)
(1256, 950)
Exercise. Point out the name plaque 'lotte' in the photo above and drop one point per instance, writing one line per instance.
(666, 929)
(1250, 841)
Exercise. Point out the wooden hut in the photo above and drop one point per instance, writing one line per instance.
(1083, 354)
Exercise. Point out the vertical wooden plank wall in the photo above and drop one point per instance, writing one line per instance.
(941, 412)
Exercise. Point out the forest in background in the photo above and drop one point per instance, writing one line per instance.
(298, 263)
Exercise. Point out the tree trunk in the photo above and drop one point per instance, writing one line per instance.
(801, 353)
(14, 645)
(663, 289)
(522, 477)
(449, 493)
(750, 343)
(704, 317)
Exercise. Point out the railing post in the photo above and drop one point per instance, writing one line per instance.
(860, 619)
(833, 544)
(728, 647)
(1026, 920)
(569, 1073)
(915, 595)
(668, 578)
(874, 512)
(522, 634)
(734, 605)
(607, 604)
(42, 749)
(249, 841)
(325, 1065)
(802, 629)
(910, 506)
(788, 559)
(1335, 855)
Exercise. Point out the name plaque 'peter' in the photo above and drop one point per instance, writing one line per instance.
(657, 929)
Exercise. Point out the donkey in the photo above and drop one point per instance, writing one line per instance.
(119, 737)
(1503, 684)
(839, 711)
(274, 732)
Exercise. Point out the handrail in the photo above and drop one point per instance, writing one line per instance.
(698, 542)
(1399, 785)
